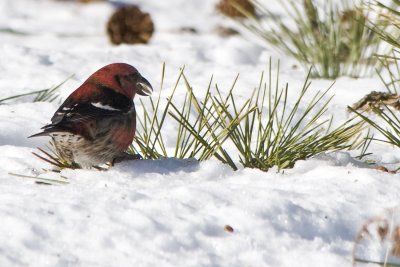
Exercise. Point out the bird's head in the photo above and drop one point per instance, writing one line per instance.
(122, 78)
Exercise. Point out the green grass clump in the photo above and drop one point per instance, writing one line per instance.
(333, 40)
(274, 134)
(264, 130)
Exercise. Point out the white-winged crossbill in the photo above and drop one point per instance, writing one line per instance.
(97, 122)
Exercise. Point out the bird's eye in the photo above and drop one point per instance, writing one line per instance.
(133, 77)
(118, 79)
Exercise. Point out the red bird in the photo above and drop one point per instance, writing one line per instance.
(97, 122)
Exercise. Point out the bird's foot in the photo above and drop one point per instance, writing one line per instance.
(125, 157)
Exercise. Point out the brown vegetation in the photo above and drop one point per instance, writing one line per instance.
(130, 25)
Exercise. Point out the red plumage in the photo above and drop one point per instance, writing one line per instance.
(97, 122)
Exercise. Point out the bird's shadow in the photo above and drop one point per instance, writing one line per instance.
(159, 166)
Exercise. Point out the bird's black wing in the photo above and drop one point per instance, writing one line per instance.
(82, 118)
(106, 103)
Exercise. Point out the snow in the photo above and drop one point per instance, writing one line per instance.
(170, 212)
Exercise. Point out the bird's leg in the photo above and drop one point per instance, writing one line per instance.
(75, 165)
(124, 157)
(100, 168)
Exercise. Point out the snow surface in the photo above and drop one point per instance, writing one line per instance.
(169, 212)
